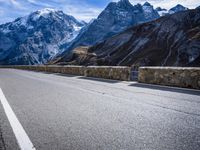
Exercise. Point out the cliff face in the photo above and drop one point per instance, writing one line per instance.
(172, 40)
(115, 18)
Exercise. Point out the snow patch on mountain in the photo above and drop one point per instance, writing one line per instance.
(43, 13)
(149, 12)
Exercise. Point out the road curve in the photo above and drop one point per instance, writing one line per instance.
(61, 112)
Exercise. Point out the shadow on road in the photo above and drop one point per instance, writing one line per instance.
(165, 88)
(99, 79)
(45, 72)
(58, 74)
(64, 75)
(41, 72)
(86, 78)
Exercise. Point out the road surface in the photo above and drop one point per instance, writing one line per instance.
(61, 112)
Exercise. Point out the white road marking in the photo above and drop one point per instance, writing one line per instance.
(20, 134)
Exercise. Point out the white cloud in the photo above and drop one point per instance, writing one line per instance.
(82, 11)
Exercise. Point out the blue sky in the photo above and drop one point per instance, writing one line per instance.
(81, 9)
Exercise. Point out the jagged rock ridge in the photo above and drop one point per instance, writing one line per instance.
(116, 17)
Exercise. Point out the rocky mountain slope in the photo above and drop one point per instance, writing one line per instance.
(36, 38)
(116, 17)
(173, 40)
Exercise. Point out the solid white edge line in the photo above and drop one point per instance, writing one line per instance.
(20, 134)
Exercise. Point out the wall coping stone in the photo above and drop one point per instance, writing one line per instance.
(172, 68)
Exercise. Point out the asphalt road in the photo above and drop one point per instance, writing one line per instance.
(61, 112)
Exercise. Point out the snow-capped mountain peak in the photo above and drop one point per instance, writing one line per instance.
(124, 2)
(43, 13)
(147, 7)
(149, 12)
(177, 8)
(46, 11)
(146, 4)
(37, 37)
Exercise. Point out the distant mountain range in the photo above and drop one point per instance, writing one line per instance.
(164, 12)
(173, 40)
(50, 34)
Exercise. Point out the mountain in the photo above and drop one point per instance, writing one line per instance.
(116, 17)
(50, 34)
(149, 12)
(172, 40)
(177, 8)
(162, 11)
(36, 38)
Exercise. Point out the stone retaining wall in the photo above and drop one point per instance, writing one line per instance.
(116, 73)
(171, 76)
